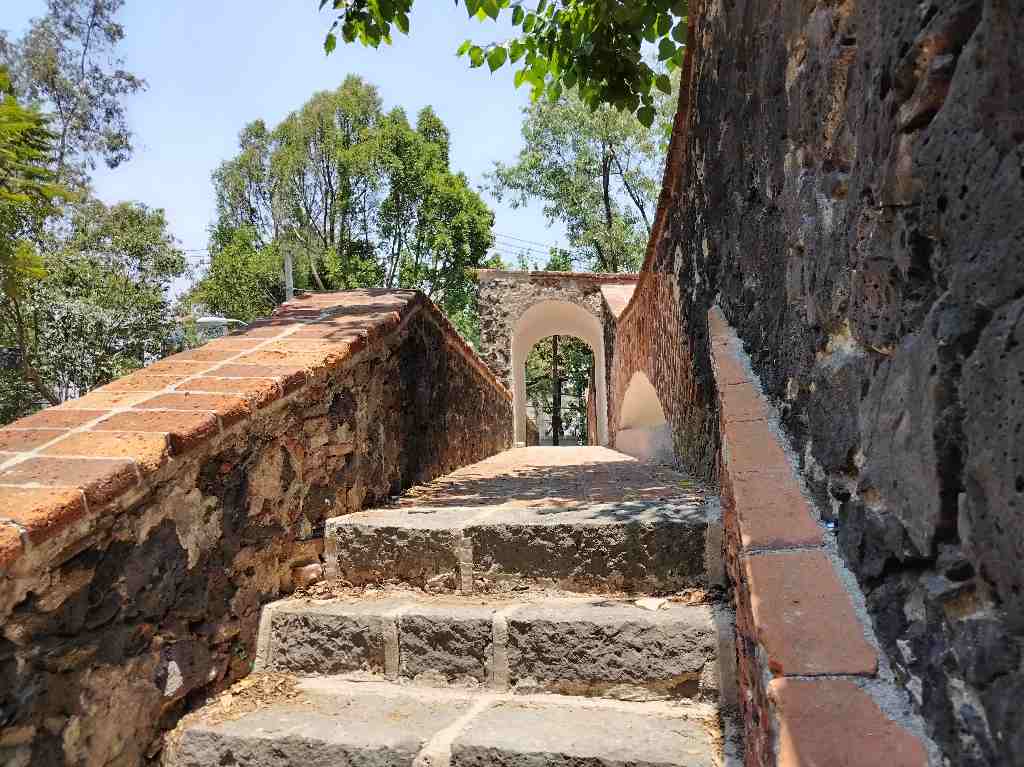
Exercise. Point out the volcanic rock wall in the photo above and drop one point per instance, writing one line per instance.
(143, 526)
(851, 191)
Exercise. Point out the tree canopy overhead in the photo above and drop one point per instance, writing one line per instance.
(594, 46)
(67, 65)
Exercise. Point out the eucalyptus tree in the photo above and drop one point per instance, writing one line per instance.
(67, 65)
(598, 172)
(359, 196)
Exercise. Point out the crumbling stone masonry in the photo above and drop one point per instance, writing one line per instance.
(143, 526)
(846, 182)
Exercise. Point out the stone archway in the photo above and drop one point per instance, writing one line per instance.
(643, 430)
(517, 309)
(550, 318)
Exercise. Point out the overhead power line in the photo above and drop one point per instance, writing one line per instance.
(531, 242)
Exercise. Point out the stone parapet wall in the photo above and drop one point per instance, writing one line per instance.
(848, 190)
(143, 526)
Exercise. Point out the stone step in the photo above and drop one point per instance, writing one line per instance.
(637, 546)
(324, 721)
(564, 644)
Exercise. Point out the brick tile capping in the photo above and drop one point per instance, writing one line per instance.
(143, 525)
(809, 678)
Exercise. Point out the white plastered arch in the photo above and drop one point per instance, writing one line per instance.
(557, 318)
(643, 431)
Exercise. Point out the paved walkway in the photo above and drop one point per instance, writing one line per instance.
(554, 477)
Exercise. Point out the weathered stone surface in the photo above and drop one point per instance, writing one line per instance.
(451, 643)
(849, 192)
(374, 548)
(371, 724)
(634, 547)
(326, 639)
(573, 645)
(524, 735)
(603, 644)
(338, 726)
(643, 545)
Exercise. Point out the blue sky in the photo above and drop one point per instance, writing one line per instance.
(212, 66)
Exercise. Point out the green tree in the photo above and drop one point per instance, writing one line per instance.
(358, 196)
(595, 46)
(596, 171)
(244, 278)
(101, 307)
(66, 64)
(84, 284)
(28, 195)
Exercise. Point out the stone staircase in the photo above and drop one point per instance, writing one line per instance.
(547, 606)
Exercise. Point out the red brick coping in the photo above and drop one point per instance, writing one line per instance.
(800, 644)
(64, 463)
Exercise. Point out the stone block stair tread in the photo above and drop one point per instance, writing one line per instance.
(557, 643)
(642, 545)
(370, 724)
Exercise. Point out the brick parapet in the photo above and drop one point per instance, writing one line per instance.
(63, 463)
(809, 673)
(143, 525)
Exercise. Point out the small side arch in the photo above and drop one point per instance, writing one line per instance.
(561, 318)
(644, 431)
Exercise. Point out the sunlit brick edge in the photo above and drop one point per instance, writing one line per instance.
(796, 623)
(18, 537)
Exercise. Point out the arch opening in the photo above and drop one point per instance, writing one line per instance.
(575, 367)
(561, 318)
(644, 431)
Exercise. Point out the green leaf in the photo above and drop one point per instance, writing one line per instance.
(663, 83)
(516, 50)
(496, 57)
(517, 15)
(490, 7)
(402, 22)
(330, 43)
(476, 56)
(464, 48)
(666, 49)
(680, 31)
(646, 116)
(529, 22)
